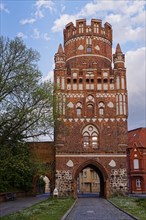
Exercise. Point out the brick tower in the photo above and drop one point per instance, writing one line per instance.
(92, 102)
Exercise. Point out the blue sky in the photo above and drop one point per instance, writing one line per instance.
(40, 23)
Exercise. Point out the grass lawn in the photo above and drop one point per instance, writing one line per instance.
(50, 209)
(134, 206)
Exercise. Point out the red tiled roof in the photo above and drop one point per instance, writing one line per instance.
(137, 136)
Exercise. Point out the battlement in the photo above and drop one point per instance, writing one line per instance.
(82, 29)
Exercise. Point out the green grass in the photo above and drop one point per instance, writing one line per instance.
(134, 206)
(50, 209)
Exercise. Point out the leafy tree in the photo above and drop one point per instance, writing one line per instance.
(26, 111)
(25, 102)
(17, 168)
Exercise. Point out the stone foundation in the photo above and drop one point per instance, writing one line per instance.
(118, 181)
(64, 182)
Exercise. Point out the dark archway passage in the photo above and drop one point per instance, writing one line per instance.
(43, 185)
(91, 180)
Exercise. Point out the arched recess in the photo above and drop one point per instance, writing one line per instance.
(102, 173)
(51, 183)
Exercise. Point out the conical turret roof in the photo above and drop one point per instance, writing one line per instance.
(60, 49)
(118, 49)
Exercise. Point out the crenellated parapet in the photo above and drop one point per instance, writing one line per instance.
(82, 41)
(82, 29)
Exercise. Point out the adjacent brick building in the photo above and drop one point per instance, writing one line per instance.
(44, 152)
(92, 102)
(137, 160)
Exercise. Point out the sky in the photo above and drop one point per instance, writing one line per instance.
(40, 24)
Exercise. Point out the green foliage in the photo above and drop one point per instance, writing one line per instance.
(26, 103)
(26, 111)
(16, 168)
(51, 209)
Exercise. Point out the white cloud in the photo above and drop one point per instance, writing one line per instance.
(45, 4)
(46, 37)
(36, 34)
(126, 17)
(136, 66)
(63, 7)
(39, 14)
(22, 35)
(3, 8)
(50, 76)
(136, 82)
(28, 21)
(63, 20)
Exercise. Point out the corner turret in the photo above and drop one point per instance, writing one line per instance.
(60, 57)
(119, 58)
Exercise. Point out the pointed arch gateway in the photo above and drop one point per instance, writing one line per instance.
(100, 170)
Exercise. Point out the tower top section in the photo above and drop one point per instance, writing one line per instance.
(82, 29)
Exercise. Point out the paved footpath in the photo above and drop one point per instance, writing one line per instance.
(96, 209)
(19, 204)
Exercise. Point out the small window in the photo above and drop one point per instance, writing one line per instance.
(101, 106)
(96, 28)
(89, 50)
(99, 81)
(105, 81)
(78, 111)
(136, 164)
(68, 81)
(90, 110)
(80, 80)
(111, 81)
(101, 111)
(86, 141)
(94, 141)
(92, 80)
(81, 28)
(87, 81)
(74, 81)
(138, 183)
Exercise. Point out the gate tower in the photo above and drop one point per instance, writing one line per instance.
(92, 104)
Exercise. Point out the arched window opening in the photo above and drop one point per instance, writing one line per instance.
(80, 80)
(96, 28)
(101, 111)
(90, 136)
(68, 81)
(90, 110)
(86, 140)
(99, 80)
(74, 81)
(94, 140)
(136, 164)
(79, 111)
(105, 81)
(101, 106)
(92, 80)
(81, 28)
(87, 81)
(89, 49)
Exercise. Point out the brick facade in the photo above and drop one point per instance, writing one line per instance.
(92, 102)
(137, 160)
(45, 153)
